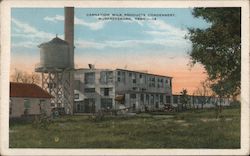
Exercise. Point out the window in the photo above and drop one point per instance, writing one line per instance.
(89, 78)
(78, 107)
(142, 97)
(168, 100)
(147, 97)
(175, 99)
(161, 83)
(158, 85)
(26, 106)
(121, 77)
(142, 79)
(132, 96)
(106, 91)
(26, 103)
(42, 105)
(134, 80)
(153, 79)
(167, 81)
(130, 74)
(152, 82)
(152, 99)
(157, 105)
(89, 90)
(77, 96)
(161, 98)
(89, 105)
(106, 103)
(201, 99)
(106, 77)
(134, 107)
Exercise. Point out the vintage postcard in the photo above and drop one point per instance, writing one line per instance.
(124, 78)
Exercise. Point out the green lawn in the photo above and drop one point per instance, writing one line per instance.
(189, 129)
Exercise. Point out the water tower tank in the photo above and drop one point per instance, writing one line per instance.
(54, 54)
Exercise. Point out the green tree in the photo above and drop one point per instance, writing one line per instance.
(184, 99)
(218, 48)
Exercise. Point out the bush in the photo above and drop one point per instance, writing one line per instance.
(42, 121)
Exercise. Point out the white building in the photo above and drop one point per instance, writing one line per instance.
(97, 89)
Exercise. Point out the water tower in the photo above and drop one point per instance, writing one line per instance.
(57, 65)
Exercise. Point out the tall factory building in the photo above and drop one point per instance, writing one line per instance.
(99, 89)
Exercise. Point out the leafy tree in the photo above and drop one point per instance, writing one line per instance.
(184, 99)
(218, 48)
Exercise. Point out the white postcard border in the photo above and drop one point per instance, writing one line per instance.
(5, 66)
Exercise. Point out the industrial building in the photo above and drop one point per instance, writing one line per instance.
(97, 89)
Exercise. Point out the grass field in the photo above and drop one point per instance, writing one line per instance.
(199, 129)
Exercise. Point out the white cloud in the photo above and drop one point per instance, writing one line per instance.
(130, 43)
(25, 30)
(91, 25)
(54, 19)
(161, 28)
(29, 36)
(161, 34)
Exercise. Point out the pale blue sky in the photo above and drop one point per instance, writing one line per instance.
(31, 27)
(155, 46)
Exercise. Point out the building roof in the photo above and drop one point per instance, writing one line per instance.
(144, 73)
(87, 69)
(27, 90)
(54, 41)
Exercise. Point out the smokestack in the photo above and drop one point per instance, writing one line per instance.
(69, 31)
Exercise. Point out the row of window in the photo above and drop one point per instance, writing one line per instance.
(89, 104)
(151, 96)
(107, 77)
(103, 91)
(152, 81)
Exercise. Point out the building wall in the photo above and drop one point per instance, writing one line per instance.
(142, 90)
(17, 106)
(138, 89)
(142, 82)
(94, 88)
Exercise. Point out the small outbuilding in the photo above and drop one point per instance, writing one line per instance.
(28, 99)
